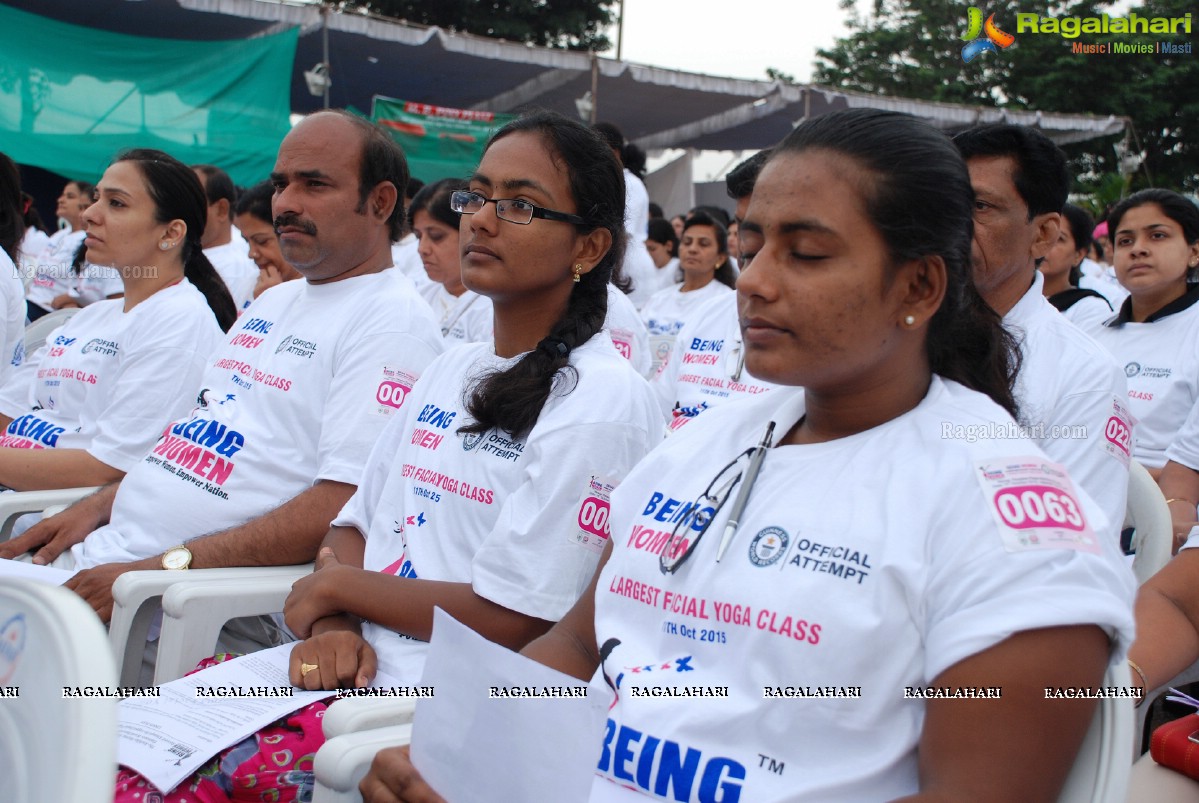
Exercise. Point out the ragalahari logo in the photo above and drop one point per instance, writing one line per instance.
(994, 40)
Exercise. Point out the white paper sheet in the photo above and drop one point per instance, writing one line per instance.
(169, 737)
(471, 746)
(31, 571)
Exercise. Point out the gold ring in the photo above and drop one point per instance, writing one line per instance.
(306, 668)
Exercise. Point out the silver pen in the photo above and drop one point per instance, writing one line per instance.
(751, 474)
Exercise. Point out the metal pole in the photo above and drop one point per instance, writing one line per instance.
(594, 87)
(325, 50)
(620, 30)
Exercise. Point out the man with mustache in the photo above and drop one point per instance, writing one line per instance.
(290, 404)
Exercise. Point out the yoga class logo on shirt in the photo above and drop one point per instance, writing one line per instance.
(294, 345)
(12, 644)
(106, 347)
(768, 546)
(993, 39)
(1146, 372)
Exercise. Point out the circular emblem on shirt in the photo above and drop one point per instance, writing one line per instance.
(768, 546)
(286, 342)
(1132, 369)
(470, 440)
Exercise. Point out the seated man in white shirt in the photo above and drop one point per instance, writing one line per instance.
(224, 246)
(1072, 395)
(290, 405)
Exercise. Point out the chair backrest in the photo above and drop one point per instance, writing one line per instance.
(53, 747)
(1150, 515)
(1104, 763)
(37, 332)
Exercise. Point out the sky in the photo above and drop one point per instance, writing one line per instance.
(713, 36)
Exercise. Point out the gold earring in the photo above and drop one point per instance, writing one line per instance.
(910, 320)
(578, 272)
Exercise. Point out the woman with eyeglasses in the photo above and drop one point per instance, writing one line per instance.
(885, 603)
(489, 496)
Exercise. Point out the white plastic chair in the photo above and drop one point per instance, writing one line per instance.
(196, 604)
(344, 759)
(1102, 769)
(37, 332)
(1153, 783)
(1148, 512)
(51, 748)
(17, 503)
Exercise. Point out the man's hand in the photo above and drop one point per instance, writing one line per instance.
(393, 778)
(95, 585)
(51, 537)
(338, 659)
(314, 597)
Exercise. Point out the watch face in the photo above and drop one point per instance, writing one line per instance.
(177, 558)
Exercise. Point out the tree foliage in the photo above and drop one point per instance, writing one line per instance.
(570, 24)
(912, 48)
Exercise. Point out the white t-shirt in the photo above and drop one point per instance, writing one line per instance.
(32, 244)
(1161, 362)
(638, 265)
(466, 318)
(522, 521)
(1072, 397)
(12, 332)
(406, 257)
(298, 392)
(1088, 312)
(874, 562)
(708, 368)
(666, 313)
(627, 330)
(53, 276)
(236, 269)
(108, 380)
(1102, 279)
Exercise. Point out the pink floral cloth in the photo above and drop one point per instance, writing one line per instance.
(273, 765)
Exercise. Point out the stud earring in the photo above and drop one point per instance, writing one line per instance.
(578, 272)
(910, 320)
(164, 246)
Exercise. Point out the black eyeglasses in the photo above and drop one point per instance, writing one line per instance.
(700, 514)
(512, 210)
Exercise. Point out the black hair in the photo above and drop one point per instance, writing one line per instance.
(414, 186)
(1040, 176)
(176, 192)
(12, 219)
(382, 160)
(634, 160)
(714, 212)
(218, 186)
(739, 183)
(32, 218)
(724, 273)
(655, 211)
(512, 399)
(921, 201)
(661, 231)
(1081, 225)
(1174, 206)
(256, 202)
(435, 199)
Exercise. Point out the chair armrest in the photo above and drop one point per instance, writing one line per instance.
(196, 608)
(342, 762)
(17, 504)
(131, 615)
(354, 714)
(1150, 515)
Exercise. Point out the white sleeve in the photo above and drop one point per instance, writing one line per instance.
(386, 453)
(352, 417)
(98, 283)
(16, 396)
(1097, 466)
(1184, 449)
(150, 388)
(531, 561)
(979, 594)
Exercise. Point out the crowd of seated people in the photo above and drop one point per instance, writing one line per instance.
(896, 353)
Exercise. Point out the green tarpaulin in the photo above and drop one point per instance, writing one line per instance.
(71, 98)
(439, 142)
